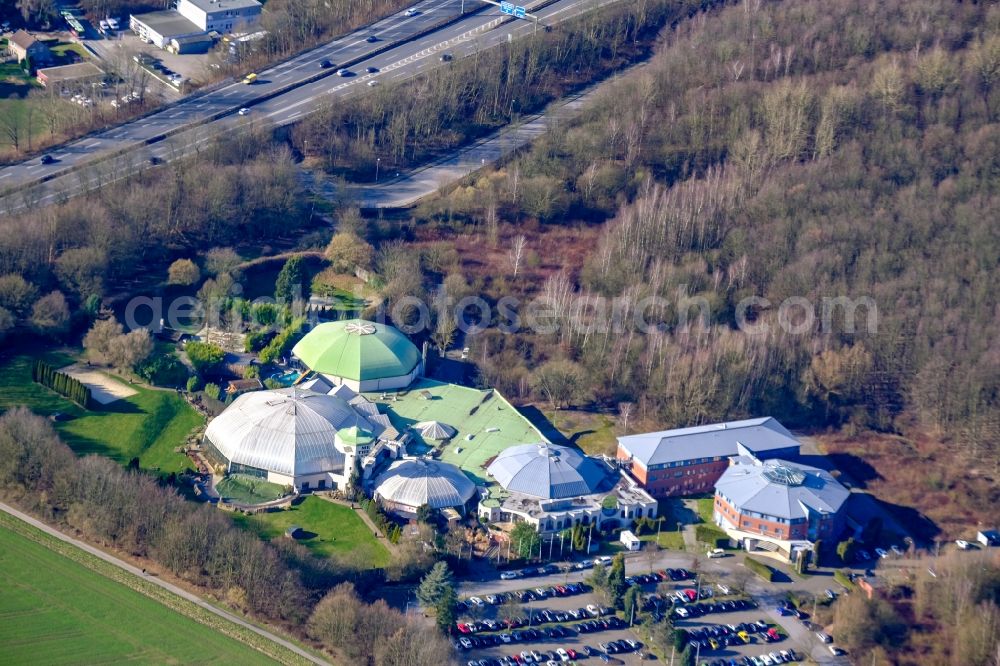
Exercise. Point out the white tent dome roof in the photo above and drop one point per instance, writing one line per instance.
(548, 471)
(287, 431)
(415, 481)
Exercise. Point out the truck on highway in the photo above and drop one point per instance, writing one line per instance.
(250, 78)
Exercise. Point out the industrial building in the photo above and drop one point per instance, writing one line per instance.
(411, 483)
(178, 28)
(777, 505)
(362, 355)
(555, 487)
(687, 461)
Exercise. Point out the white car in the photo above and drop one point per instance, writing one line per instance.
(465, 642)
(477, 601)
(526, 657)
(244, 111)
(603, 560)
(593, 610)
(552, 662)
(764, 659)
(372, 83)
(411, 12)
(882, 553)
(508, 575)
(723, 588)
(896, 549)
(506, 638)
(681, 611)
(826, 638)
(962, 544)
(716, 552)
(563, 655)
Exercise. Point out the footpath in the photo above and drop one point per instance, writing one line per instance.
(139, 573)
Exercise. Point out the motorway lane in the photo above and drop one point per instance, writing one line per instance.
(235, 95)
(469, 35)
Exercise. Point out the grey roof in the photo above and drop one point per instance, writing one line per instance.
(168, 24)
(213, 6)
(416, 481)
(780, 488)
(435, 430)
(288, 431)
(708, 441)
(547, 471)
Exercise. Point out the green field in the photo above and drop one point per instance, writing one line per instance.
(331, 529)
(673, 540)
(54, 610)
(147, 425)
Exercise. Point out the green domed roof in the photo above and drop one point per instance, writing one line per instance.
(355, 435)
(358, 350)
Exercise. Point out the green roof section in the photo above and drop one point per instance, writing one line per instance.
(355, 435)
(492, 421)
(357, 349)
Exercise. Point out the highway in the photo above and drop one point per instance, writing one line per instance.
(463, 37)
(201, 106)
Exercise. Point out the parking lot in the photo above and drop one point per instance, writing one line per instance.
(554, 614)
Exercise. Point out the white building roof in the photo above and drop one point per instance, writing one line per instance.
(289, 431)
(414, 482)
(708, 441)
(780, 488)
(547, 471)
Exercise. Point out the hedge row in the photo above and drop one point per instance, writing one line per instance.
(711, 535)
(61, 383)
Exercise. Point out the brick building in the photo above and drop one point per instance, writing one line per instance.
(688, 461)
(778, 505)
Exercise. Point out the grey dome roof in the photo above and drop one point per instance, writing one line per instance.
(288, 431)
(414, 482)
(547, 471)
(781, 489)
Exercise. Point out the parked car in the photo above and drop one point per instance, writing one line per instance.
(830, 594)
(882, 553)
(825, 638)
(716, 552)
(446, 57)
(962, 544)
(509, 575)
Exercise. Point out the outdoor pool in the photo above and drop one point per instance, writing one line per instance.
(286, 378)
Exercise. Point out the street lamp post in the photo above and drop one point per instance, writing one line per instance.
(378, 161)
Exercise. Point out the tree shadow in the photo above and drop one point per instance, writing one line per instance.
(544, 425)
(858, 469)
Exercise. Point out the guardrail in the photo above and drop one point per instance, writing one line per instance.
(381, 48)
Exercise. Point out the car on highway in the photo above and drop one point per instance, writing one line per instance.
(250, 78)
(154, 160)
(344, 72)
(47, 159)
(371, 39)
(446, 57)
(244, 111)
(325, 64)
(411, 12)
(372, 83)
(372, 70)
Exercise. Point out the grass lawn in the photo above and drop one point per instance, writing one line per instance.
(705, 508)
(592, 432)
(54, 610)
(331, 529)
(147, 425)
(60, 51)
(248, 489)
(673, 540)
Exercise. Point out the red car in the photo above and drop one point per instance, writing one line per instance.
(691, 595)
(773, 635)
(464, 628)
(572, 653)
(561, 591)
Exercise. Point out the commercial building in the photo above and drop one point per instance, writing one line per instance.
(292, 437)
(158, 28)
(686, 461)
(222, 16)
(555, 487)
(77, 74)
(411, 483)
(362, 355)
(192, 19)
(777, 505)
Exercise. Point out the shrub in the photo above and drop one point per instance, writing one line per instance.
(163, 370)
(711, 535)
(213, 391)
(193, 383)
(204, 356)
